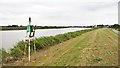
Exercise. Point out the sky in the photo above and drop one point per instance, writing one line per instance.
(59, 12)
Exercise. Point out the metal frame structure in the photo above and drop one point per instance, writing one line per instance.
(30, 35)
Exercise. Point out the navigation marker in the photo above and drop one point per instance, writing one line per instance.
(30, 34)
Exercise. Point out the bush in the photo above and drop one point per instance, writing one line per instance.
(16, 52)
(3, 54)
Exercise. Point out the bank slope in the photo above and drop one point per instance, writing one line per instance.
(94, 48)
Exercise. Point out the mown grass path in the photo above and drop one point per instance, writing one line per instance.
(94, 48)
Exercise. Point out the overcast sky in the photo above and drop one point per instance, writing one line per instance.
(59, 12)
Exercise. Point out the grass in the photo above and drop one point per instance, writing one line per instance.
(117, 29)
(3, 55)
(19, 51)
(94, 48)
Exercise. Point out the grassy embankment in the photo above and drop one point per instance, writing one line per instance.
(94, 48)
(117, 29)
(19, 50)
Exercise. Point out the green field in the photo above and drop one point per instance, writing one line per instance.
(95, 48)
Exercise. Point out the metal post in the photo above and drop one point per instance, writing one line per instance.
(29, 41)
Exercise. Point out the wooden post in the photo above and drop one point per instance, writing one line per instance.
(25, 47)
(29, 50)
(34, 45)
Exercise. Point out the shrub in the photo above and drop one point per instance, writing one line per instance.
(3, 54)
(16, 52)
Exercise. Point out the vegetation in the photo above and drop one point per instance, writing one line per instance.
(118, 29)
(19, 50)
(94, 48)
(115, 26)
(3, 55)
(16, 27)
(0, 55)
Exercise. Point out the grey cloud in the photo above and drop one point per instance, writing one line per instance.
(54, 11)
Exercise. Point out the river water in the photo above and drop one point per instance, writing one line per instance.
(8, 39)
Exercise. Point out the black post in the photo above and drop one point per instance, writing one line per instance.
(29, 20)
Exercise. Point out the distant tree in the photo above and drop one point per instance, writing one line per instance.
(9, 26)
(116, 25)
(100, 26)
(14, 25)
(20, 25)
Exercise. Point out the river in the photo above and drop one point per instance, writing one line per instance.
(8, 39)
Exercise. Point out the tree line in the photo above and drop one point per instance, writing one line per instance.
(17, 27)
